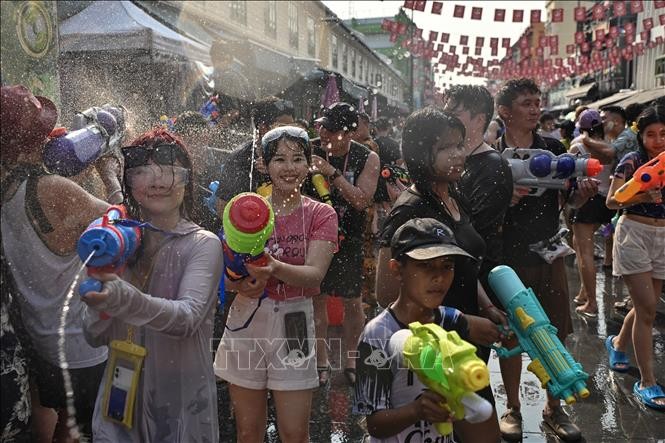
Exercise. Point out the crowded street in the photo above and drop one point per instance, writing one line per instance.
(366, 221)
(609, 415)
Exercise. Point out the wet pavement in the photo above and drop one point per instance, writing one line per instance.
(610, 414)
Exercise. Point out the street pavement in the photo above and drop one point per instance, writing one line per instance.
(611, 414)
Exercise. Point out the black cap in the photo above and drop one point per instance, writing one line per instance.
(339, 116)
(424, 239)
(566, 124)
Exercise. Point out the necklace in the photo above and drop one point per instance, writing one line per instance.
(475, 149)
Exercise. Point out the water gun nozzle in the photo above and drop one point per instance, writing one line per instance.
(593, 167)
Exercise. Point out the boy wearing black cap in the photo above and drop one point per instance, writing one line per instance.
(397, 405)
(352, 170)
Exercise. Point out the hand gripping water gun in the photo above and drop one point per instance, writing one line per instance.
(322, 187)
(392, 173)
(210, 110)
(248, 222)
(550, 361)
(447, 365)
(96, 132)
(539, 169)
(111, 244)
(648, 176)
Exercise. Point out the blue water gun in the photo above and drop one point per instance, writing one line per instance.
(107, 244)
(210, 110)
(550, 361)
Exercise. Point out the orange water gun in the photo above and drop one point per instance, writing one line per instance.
(650, 175)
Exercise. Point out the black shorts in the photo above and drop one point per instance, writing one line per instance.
(345, 274)
(592, 212)
(85, 385)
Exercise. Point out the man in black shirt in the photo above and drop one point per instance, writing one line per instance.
(352, 170)
(389, 154)
(266, 114)
(531, 219)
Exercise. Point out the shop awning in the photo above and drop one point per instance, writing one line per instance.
(612, 99)
(122, 26)
(579, 92)
(643, 96)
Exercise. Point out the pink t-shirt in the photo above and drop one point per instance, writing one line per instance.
(311, 221)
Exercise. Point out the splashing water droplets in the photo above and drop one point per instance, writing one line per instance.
(69, 392)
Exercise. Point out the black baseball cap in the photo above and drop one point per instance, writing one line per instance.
(339, 116)
(424, 239)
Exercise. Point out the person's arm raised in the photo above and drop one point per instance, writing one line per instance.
(69, 209)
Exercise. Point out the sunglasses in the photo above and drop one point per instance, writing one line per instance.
(165, 154)
(284, 131)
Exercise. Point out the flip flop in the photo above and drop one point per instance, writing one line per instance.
(586, 314)
(578, 301)
(616, 357)
(648, 395)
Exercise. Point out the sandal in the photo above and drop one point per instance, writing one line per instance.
(584, 313)
(578, 301)
(618, 359)
(350, 374)
(324, 375)
(624, 305)
(648, 395)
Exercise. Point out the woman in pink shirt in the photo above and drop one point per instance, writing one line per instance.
(269, 343)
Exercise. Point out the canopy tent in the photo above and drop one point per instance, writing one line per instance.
(644, 96)
(580, 91)
(612, 99)
(122, 26)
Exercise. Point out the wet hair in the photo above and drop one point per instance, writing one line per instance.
(513, 89)
(155, 137)
(546, 116)
(474, 98)
(190, 123)
(616, 110)
(422, 130)
(650, 115)
(632, 111)
(597, 131)
(267, 110)
(271, 149)
(382, 124)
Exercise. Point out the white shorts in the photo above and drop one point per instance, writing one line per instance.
(260, 356)
(638, 248)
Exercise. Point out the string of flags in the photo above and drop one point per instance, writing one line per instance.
(582, 57)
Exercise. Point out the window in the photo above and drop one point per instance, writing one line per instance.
(293, 25)
(311, 37)
(367, 72)
(345, 58)
(239, 11)
(334, 53)
(361, 65)
(270, 18)
(352, 54)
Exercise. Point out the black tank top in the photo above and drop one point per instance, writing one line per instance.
(351, 221)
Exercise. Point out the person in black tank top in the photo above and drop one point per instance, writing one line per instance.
(352, 171)
(433, 149)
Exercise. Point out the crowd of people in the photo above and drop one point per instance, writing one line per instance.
(433, 235)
